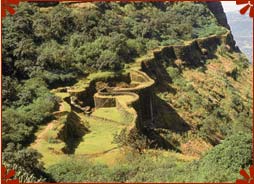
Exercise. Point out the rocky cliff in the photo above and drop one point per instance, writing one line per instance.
(218, 11)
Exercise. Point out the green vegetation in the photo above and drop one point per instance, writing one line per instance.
(111, 114)
(47, 142)
(219, 164)
(100, 138)
(212, 100)
(25, 162)
(101, 38)
(224, 161)
(33, 106)
(64, 45)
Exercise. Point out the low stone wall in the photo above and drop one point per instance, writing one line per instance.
(59, 114)
(110, 98)
(104, 100)
(140, 92)
(130, 99)
(142, 80)
(194, 52)
(84, 97)
(128, 110)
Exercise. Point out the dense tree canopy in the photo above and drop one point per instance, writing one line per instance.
(100, 38)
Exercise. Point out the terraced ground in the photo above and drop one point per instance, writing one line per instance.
(51, 151)
(96, 145)
(104, 123)
(99, 140)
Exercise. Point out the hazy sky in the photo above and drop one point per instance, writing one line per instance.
(230, 6)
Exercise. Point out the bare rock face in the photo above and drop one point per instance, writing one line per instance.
(218, 11)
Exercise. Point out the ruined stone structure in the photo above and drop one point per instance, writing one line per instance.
(135, 101)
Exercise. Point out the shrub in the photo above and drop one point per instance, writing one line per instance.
(173, 72)
(134, 139)
(78, 171)
(224, 161)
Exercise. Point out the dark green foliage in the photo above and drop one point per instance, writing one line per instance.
(81, 171)
(15, 128)
(224, 161)
(102, 38)
(32, 105)
(137, 168)
(10, 90)
(50, 48)
(18, 125)
(25, 162)
(105, 53)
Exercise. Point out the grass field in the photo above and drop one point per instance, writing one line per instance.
(96, 145)
(50, 151)
(110, 114)
(99, 140)
(83, 83)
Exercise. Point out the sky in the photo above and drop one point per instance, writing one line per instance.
(231, 6)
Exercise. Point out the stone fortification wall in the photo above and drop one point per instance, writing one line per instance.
(134, 101)
(193, 53)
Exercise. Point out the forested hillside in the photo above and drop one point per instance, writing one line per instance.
(53, 53)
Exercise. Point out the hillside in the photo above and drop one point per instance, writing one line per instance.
(124, 92)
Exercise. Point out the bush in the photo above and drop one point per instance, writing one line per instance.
(109, 61)
(79, 171)
(25, 163)
(224, 161)
(173, 72)
(134, 139)
(16, 128)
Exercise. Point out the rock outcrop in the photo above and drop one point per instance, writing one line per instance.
(217, 9)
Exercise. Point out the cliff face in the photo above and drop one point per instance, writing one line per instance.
(218, 11)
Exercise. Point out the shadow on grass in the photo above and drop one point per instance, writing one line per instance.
(157, 141)
(72, 133)
(168, 118)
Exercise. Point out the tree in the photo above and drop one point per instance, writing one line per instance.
(15, 128)
(25, 162)
(10, 91)
(109, 60)
(224, 161)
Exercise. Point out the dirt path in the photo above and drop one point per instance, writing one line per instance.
(43, 133)
(92, 155)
